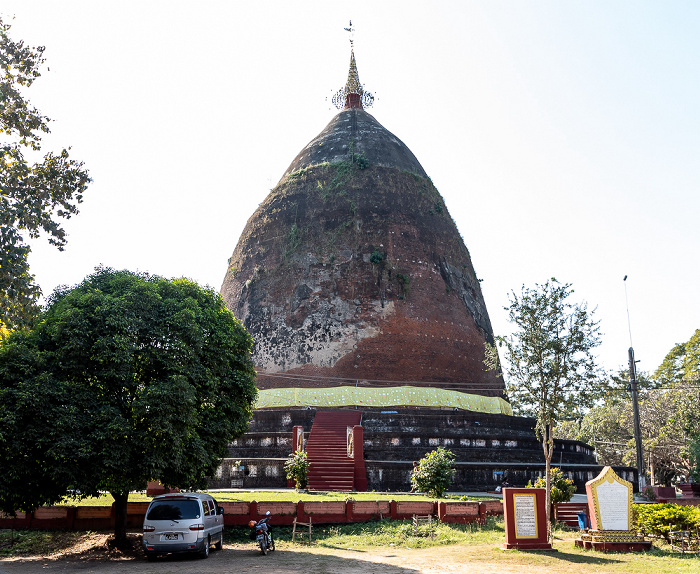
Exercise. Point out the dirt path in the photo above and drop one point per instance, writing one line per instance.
(92, 555)
(248, 560)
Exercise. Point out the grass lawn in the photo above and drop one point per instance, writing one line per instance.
(385, 533)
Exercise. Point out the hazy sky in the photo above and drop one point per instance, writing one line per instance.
(564, 136)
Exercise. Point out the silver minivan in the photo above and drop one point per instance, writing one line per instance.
(183, 522)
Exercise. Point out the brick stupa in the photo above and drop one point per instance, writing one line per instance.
(369, 326)
(352, 269)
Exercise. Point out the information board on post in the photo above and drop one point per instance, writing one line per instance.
(525, 519)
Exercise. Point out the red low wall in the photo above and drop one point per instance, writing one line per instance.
(240, 513)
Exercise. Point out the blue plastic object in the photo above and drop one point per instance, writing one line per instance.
(582, 520)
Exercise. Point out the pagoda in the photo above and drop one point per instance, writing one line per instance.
(368, 321)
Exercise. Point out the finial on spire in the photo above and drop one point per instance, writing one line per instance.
(351, 30)
(352, 95)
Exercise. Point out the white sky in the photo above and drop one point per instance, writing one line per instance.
(564, 136)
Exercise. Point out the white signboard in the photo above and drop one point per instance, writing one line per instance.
(525, 515)
(613, 505)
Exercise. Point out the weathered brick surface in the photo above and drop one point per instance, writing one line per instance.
(324, 507)
(492, 506)
(50, 512)
(366, 279)
(371, 507)
(490, 443)
(370, 139)
(281, 508)
(85, 512)
(462, 508)
(409, 507)
(235, 507)
(406, 435)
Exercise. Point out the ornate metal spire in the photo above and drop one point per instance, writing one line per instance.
(352, 95)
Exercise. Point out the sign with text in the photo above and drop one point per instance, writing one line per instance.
(609, 501)
(525, 519)
(525, 506)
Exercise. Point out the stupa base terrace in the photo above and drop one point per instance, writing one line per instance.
(378, 453)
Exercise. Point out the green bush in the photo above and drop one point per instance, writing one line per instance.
(656, 518)
(563, 488)
(296, 468)
(360, 160)
(434, 473)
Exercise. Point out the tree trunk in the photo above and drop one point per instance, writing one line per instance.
(120, 500)
(548, 446)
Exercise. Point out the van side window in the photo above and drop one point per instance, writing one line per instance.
(206, 507)
(212, 508)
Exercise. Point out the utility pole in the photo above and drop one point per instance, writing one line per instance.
(641, 479)
(637, 427)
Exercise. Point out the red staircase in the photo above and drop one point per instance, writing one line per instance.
(330, 468)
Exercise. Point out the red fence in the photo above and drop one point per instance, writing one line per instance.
(240, 513)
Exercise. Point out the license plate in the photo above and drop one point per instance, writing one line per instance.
(170, 537)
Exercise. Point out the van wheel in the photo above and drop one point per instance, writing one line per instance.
(205, 551)
(151, 556)
(220, 544)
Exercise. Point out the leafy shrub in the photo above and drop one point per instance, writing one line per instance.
(562, 487)
(656, 518)
(376, 257)
(434, 473)
(296, 468)
(360, 160)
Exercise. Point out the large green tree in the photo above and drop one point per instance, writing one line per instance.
(678, 399)
(125, 378)
(682, 363)
(550, 369)
(607, 428)
(35, 192)
(668, 405)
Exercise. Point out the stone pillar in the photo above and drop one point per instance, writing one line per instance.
(297, 438)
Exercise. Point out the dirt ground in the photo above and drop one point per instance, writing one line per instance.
(94, 555)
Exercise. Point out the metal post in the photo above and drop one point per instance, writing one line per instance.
(637, 427)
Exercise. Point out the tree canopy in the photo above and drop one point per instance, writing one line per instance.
(125, 378)
(34, 195)
(668, 406)
(682, 363)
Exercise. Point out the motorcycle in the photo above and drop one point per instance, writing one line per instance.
(262, 534)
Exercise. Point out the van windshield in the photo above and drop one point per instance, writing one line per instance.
(174, 510)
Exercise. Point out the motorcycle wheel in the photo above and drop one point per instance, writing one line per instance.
(263, 547)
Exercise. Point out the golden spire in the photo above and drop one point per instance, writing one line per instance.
(353, 85)
(353, 94)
